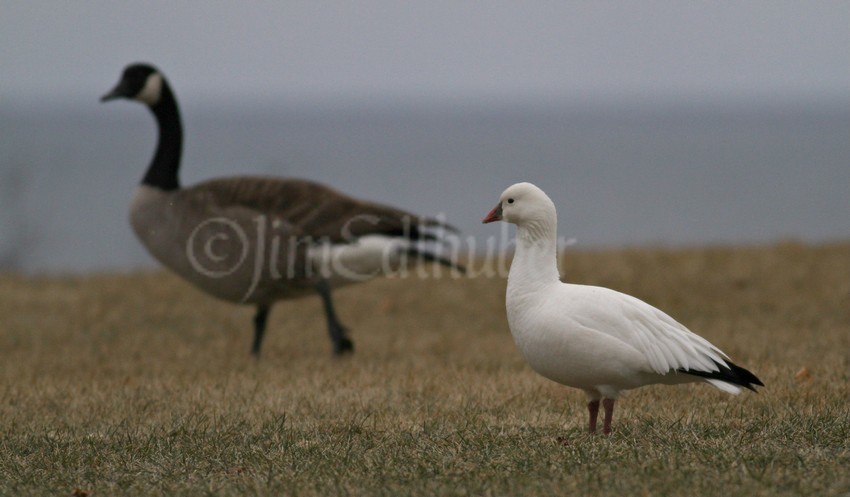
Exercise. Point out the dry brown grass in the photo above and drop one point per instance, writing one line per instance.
(137, 384)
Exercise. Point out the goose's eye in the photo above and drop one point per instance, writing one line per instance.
(510, 200)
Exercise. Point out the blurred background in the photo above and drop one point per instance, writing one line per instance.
(648, 123)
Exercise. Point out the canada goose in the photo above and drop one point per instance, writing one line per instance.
(593, 338)
(256, 240)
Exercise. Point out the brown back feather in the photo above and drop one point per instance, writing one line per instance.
(316, 210)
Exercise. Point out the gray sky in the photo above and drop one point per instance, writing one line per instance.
(451, 50)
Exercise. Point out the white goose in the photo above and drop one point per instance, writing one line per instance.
(593, 338)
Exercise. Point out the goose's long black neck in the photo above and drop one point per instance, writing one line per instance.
(163, 170)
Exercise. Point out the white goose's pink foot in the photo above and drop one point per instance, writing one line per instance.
(608, 404)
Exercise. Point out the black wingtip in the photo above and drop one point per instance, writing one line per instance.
(730, 373)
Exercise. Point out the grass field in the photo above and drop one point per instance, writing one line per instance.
(136, 384)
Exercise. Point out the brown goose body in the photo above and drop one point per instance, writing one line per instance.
(255, 239)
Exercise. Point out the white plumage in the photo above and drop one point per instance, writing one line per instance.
(593, 338)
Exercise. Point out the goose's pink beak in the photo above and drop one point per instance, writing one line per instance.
(495, 215)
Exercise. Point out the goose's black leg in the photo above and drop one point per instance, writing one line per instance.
(259, 328)
(341, 343)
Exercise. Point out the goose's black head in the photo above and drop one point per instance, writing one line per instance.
(141, 82)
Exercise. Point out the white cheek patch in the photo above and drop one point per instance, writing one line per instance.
(152, 90)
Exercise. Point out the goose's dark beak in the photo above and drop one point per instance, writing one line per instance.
(494, 215)
(118, 92)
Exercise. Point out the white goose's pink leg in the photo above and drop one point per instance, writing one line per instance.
(593, 411)
(608, 404)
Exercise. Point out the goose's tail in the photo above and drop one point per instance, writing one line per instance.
(375, 255)
(728, 377)
(427, 256)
